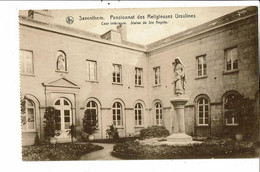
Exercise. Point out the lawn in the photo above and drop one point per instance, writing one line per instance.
(211, 148)
(64, 151)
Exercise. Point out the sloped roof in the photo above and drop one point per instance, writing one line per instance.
(237, 15)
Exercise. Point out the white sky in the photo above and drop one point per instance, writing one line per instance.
(143, 34)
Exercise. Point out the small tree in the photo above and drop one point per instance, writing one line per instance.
(50, 124)
(89, 121)
(72, 132)
(243, 111)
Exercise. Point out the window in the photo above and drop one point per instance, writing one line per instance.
(157, 78)
(117, 73)
(202, 65)
(91, 70)
(158, 114)
(138, 76)
(61, 63)
(230, 118)
(138, 114)
(28, 117)
(92, 112)
(26, 62)
(203, 111)
(231, 59)
(62, 114)
(117, 114)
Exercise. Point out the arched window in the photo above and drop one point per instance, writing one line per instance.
(61, 63)
(158, 114)
(203, 111)
(63, 114)
(138, 114)
(92, 112)
(117, 114)
(230, 118)
(28, 116)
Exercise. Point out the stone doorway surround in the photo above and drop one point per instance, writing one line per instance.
(63, 88)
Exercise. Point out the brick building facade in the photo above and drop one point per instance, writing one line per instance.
(130, 85)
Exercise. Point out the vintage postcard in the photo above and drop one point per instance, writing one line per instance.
(139, 83)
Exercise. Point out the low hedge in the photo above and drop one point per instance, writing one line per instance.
(66, 151)
(154, 132)
(209, 149)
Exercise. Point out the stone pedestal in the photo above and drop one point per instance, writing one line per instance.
(179, 134)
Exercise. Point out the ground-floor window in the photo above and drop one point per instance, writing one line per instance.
(138, 114)
(92, 112)
(117, 114)
(28, 115)
(230, 118)
(203, 111)
(158, 114)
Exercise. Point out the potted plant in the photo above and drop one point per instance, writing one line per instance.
(112, 132)
(90, 123)
(50, 125)
(242, 109)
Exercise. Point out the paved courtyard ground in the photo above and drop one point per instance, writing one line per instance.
(104, 154)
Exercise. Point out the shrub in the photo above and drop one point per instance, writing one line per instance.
(153, 132)
(90, 121)
(50, 123)
(57, 152)
(224, 148)
(112, 132)
(243, 110)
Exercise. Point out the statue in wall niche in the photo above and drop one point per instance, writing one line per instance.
(179, 77)
(61, 62)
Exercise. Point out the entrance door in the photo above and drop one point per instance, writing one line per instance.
(63, 117)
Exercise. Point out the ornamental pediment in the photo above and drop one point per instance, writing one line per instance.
(61, 82)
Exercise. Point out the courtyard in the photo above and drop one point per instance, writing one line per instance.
(147, 146)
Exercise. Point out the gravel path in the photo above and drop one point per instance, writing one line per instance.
(104, 154)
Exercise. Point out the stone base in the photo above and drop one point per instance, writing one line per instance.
(179, 137)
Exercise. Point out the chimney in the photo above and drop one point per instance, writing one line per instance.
(116, 36)
(122, 29)
(39, 15)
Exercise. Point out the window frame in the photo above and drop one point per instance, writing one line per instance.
(137, 115)
(160, 110)
(89, 73)
(232, 60)
(120, 74)
(25, 64)
(158, 79)
(25, 114)
(203, 68)
(203, 105)
(62, 107)
(95, 108)
(233, 123)
(138, 69)
(115, 122)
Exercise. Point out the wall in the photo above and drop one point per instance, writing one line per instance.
(45, 45)
(242, 34)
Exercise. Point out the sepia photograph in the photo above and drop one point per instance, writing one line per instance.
(169, 83)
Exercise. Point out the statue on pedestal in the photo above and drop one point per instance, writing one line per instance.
(178, 102)
(179, 77)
